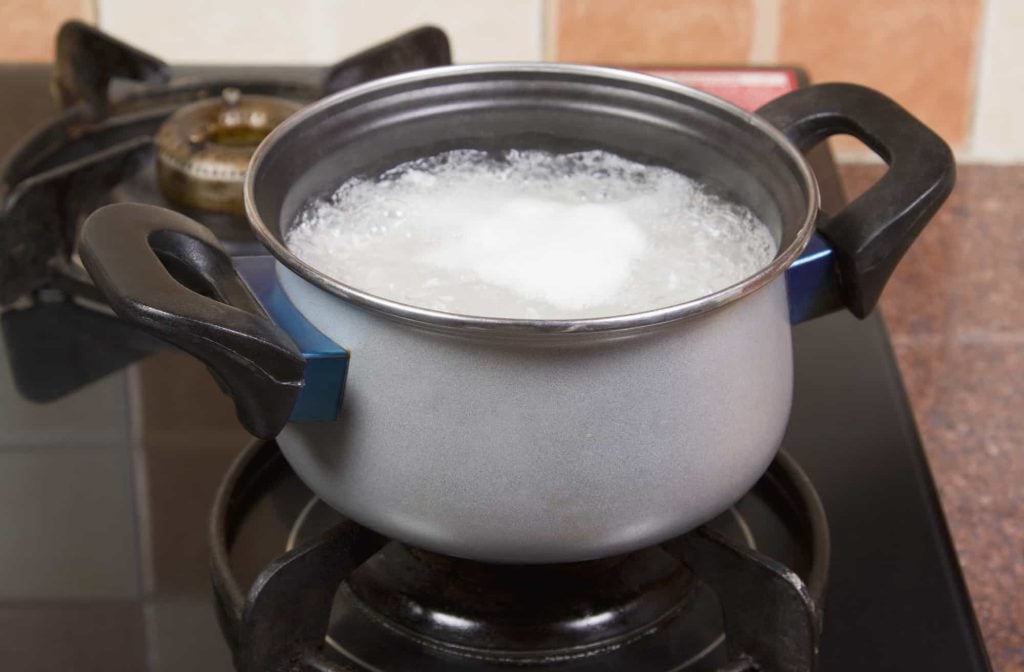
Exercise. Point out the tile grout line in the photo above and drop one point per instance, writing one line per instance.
(548, 21)
(994, 89)
(974, 86)
(142, 514)
(764, 45)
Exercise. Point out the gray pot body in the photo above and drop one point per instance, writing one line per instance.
(515, 451)
(541, 441)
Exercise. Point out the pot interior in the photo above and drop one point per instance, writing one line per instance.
(560, 109)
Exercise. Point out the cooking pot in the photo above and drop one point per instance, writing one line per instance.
(519, 440)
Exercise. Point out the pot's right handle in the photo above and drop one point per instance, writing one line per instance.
(204, 307)
(871, 234)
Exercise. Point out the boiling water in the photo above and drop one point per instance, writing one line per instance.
(529, 234)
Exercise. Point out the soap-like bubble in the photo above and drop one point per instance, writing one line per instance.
(530, 234)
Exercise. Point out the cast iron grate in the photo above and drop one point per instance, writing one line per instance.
(113, 98)
(301, 588)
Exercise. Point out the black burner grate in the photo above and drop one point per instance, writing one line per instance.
(327, 594)
(114, 97)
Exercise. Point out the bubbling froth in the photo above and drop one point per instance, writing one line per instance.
(530, 234)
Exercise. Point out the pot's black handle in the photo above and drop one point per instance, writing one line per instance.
(871, 234)
(204, 308)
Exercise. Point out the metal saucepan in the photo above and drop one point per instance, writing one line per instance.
(535, 440)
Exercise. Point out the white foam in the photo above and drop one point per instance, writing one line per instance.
(529, 234)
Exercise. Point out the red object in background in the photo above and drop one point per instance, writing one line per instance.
(750, 89)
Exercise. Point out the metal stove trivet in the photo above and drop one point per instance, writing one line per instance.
(100, 147)
(299, 587)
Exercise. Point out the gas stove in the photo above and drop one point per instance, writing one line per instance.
(130, 484)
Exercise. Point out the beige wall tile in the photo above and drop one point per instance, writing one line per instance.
(998, 133)
(28, 27)
(319, 31)
(919, 53)
(653, 31)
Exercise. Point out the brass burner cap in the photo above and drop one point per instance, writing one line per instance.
(203, 149)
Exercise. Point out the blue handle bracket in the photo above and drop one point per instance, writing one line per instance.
(326, 362)
(812, 283)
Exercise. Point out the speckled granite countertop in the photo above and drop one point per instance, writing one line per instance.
(956, 315)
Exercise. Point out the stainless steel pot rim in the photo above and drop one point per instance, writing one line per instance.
(523, 327)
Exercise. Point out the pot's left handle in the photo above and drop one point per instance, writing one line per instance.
(169, 275)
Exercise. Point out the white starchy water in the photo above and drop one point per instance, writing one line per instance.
(529, 234)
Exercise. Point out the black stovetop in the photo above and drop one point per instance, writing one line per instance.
(105, 495)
